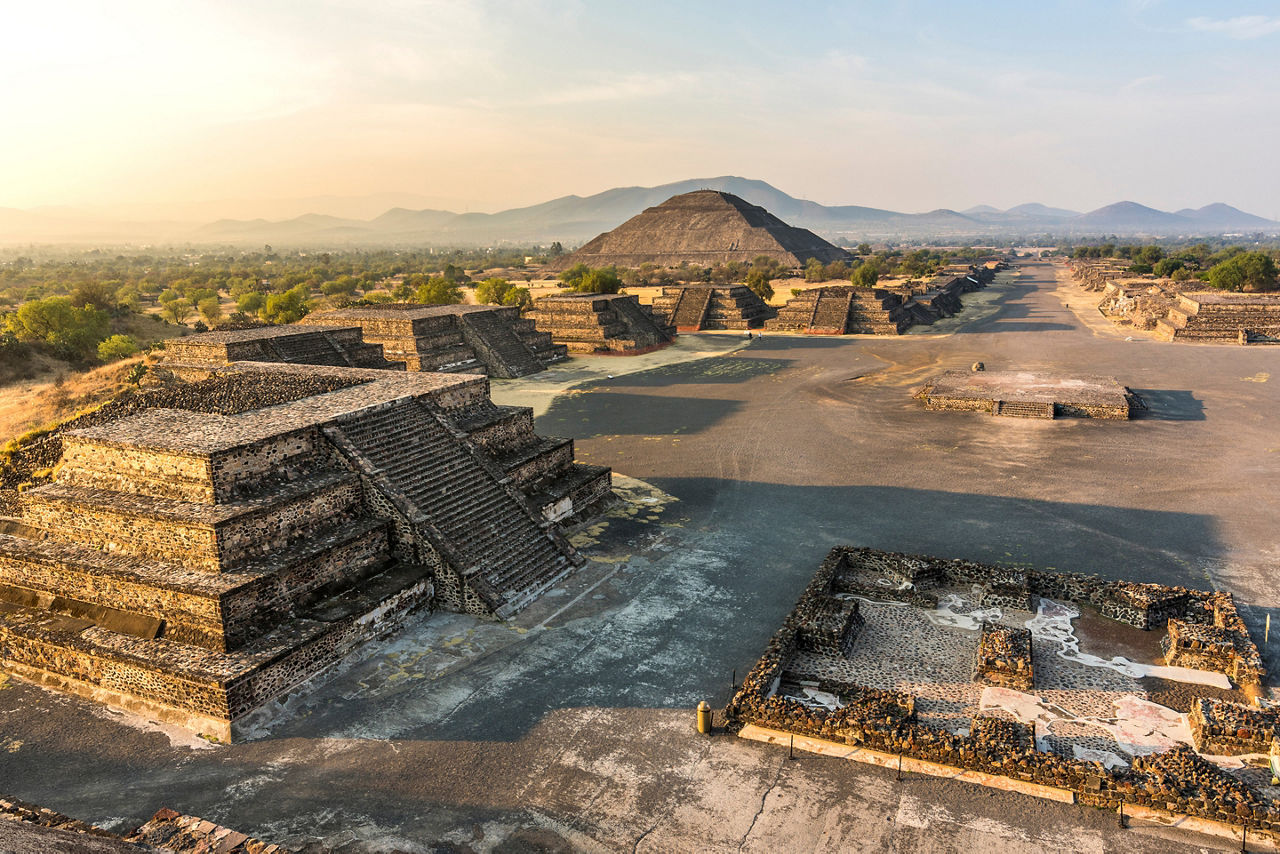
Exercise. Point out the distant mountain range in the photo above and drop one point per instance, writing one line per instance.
(575, 219)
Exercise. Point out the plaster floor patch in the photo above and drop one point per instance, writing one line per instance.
(1053, 622)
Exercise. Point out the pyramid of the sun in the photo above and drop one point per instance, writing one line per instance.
(705, 227)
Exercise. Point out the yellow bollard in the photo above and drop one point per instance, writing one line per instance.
(704, 718)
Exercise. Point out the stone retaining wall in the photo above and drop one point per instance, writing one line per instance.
(1177, 781)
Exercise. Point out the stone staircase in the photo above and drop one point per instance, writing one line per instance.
(501, 550)
(690, 309)
(842, 310)
(492, 333)
(601, 323)
(1222, 318)
(310, 349)
(1022, 409)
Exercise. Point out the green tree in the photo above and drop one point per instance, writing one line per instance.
(758, 281)
(572, 277)
(864, 249)
(178, 310)
(288, 307)
(251, 302)
(517, 298)
(210, 309)
(836, 270)
(865, 276)
(71, 332)
(1166, 267)
(438, 291)
(116, 347)
(604, 280)
(815, 271)
(492, 291)
(1248, 271)
(95, 293)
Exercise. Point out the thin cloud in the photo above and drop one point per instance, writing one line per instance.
(1241, 27)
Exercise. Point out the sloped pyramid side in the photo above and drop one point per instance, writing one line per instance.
(705, 227)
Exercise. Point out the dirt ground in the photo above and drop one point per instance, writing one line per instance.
(571, 728)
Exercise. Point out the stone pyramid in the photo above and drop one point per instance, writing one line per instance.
(704, 227)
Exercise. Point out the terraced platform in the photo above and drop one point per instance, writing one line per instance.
(195, 566)
(485, 339)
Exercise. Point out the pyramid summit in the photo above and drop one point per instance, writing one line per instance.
(703, 227)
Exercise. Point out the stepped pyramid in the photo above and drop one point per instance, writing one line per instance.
(842, 310)
(690, 308)
(476, 339)
(705, 227)
(601, 323)
(195, 564)
(1223, 317)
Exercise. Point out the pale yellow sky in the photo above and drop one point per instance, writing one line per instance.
(159, 108)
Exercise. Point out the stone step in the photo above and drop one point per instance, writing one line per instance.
(203, 690)
(206, 537)
(488, 529)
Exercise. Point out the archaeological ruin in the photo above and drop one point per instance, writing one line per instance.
(1030, 394)
(888, 310)
(694, 308)
(472, 339)
(705, 227)
(601, 323)
(223, 541)
(982, 672)
(1222, 317)
(336, 346)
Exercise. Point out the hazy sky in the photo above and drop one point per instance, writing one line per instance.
(488, 105)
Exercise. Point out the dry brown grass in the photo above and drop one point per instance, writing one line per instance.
(57, 392)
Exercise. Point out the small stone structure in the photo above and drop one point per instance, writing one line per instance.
(474, 339)
(1004, 657)
(1216, 640)
(842, 310)
(832, 628)
(337, 346)
(1231, 729)
(1223, 317)
(601, 323)
(1029, 394)
(774, 701)
(848, 310)
(693, 308)
(196, 565)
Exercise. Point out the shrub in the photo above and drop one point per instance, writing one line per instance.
(117, 347)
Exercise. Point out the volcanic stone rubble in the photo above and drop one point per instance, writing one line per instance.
(167, 831)
(601, 323)
(1004, 657)
(195, 565)
(1177, 781)
(474, 339)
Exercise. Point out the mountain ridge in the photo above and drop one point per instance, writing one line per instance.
(577, 219)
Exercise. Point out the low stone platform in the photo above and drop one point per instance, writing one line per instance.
(1089, 729)
(1223, 317)
(601, 323)
(195, 565)
(692, 308)
(1030, 394)
(485, 339)
(339, 345)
